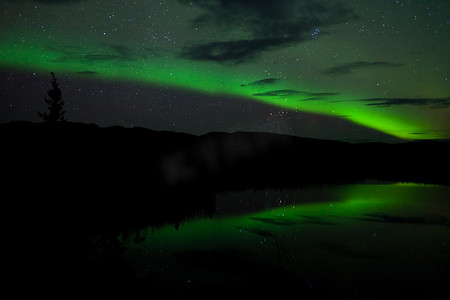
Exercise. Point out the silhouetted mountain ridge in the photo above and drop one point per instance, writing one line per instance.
(219, 161)
(135, 173)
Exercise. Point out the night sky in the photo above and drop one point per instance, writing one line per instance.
(349, 69)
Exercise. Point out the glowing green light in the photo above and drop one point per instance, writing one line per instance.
(28, 54)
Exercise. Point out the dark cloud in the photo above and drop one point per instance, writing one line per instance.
(113, 53)
(323, 94)
(285, 93)
(416, 220)
(277, 221)
(318, 96)
(312, 99)
(261, 83)
(281, 93)
(429, 102)
(352, 67)
(90, 58)
(233, 52)
(267, 25)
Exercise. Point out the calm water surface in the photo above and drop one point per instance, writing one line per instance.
(360, 240)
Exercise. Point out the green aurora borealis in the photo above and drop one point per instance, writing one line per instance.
(381, 64)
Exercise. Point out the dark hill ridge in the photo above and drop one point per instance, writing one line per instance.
(122, 172)
(142, 158)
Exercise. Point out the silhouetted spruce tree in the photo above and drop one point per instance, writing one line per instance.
(55, 104)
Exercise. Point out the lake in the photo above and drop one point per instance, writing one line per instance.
(361, 241)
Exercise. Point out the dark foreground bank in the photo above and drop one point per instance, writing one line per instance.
(69, 189)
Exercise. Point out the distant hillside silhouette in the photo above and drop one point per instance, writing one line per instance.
(139, 158)
(111, 175)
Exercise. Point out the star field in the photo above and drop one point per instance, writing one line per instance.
(373, 68)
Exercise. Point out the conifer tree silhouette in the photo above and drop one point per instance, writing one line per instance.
(55, 104)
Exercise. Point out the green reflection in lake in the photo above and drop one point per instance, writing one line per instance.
(358, 240)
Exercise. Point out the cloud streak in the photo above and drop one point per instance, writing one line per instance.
(234, 52)
(110, 52)
(287, 92)
(279, 93)
(350, 68)
(427, 102)
(261, 83)
(266, 24)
